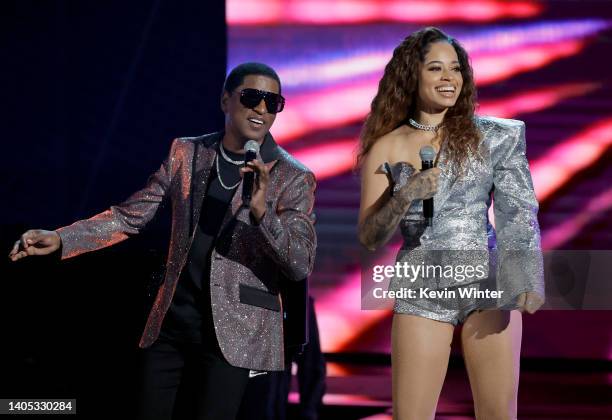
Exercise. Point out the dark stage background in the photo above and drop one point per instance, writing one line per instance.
(92, 95)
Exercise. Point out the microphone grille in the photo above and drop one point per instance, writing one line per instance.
(427, 153)
(251, 146)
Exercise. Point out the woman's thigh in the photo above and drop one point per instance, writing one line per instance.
(491, 342)
(420, 351)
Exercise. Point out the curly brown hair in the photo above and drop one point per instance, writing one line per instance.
(395, 100)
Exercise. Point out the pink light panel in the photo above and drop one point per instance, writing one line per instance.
(569, 157)
(324, 12)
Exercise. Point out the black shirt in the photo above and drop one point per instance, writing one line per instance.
(189, 318)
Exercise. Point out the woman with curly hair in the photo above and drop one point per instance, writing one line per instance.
(427, 97)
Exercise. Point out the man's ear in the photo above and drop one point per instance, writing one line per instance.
(224, 101)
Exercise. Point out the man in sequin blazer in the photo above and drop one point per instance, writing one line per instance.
(258, 248)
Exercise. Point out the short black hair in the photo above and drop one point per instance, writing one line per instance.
(238, 73)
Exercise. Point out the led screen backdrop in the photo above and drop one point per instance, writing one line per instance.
(546, 63)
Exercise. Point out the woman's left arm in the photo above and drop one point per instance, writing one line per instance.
(520, 262)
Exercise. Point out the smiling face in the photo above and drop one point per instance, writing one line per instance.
(440, 78)
(244, 123)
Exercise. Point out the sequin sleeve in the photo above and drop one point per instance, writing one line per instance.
(289, 229)
(121, 221)
(520, 265)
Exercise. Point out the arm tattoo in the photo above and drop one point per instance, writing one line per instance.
(379, 226)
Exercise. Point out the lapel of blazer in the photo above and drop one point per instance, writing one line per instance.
(203, 160)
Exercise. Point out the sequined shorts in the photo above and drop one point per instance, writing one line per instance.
(451, 308)
(431, 309)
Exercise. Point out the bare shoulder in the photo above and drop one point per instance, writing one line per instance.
(385, 147)
(377, 155)
(402, 145)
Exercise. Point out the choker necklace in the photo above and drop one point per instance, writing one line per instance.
(219, 177)
(227, 158)
(424, 127)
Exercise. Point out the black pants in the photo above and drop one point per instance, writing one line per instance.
(189, 381)
(267, 396)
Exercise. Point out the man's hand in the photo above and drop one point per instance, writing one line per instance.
(35, 242)
(260, 186)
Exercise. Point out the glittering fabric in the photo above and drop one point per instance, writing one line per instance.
(279, 249)
(462, 234)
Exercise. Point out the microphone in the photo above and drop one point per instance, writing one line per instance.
(251, 149)
(428, 155)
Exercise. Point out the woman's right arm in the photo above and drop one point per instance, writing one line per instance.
(379, 211)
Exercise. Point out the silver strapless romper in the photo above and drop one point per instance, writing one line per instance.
(507, 259)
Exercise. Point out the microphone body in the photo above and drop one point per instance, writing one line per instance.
(427, 154)
(251, 149)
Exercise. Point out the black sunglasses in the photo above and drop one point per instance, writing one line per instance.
(250, 98)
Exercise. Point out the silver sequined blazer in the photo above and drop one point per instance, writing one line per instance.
(462, 232)
(249, 263)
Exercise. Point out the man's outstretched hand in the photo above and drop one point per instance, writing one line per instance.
(35, 242)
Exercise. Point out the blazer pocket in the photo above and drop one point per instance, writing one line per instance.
(257, 297)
